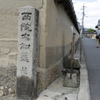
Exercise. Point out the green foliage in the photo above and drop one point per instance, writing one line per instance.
(91, 30)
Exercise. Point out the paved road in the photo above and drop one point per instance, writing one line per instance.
(92, 56)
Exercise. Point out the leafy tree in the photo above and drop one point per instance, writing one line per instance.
(91, 30)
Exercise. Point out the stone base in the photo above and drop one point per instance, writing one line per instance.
(25, 88)
(73, 83)
(46, 76)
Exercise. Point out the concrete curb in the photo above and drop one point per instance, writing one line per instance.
(84, 91)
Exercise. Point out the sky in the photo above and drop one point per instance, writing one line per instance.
(92, 12)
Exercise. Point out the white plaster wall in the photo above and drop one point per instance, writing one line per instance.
(58, 34)
(9, 11)
(58, 25)
(54, 29)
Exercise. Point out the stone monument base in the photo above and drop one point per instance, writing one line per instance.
(73, 83)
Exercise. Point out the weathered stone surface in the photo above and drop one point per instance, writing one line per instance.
(1, 87)
(11, 90)
(27, 52)
(76, 63)
(71, 82)
(1, 93)
(25, 88)
(5, 50)
(7, 76)
(5, 91)
(13, 53)
(59, 97)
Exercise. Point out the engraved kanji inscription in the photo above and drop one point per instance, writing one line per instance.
(24, 70)
(24, 57)
(26, 26)
(24, 46)
(25, 36)
(26, 16)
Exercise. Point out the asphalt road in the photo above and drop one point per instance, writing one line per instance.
(92, 57)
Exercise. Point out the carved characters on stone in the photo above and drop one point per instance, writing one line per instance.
(24, 46)
(26, 26)
(27, 52)
(26, 16)
(24, 70)
(24, 57)
(25, 36)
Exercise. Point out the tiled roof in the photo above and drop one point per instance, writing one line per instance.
(68, 6)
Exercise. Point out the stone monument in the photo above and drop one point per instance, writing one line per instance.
(27, 52)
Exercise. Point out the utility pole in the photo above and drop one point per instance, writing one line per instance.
(83, 14)
(82, 31)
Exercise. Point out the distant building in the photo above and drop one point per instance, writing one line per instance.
(98, 24)
(80, 26)
(85, 30)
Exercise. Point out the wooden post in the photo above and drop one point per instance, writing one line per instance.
(80, 45)
(72, 55)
